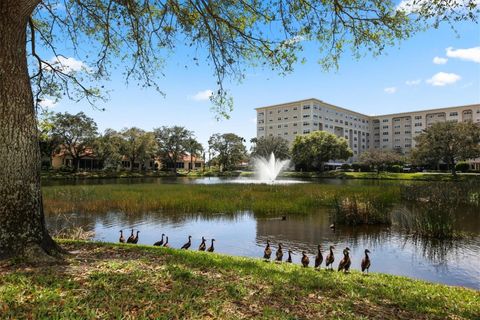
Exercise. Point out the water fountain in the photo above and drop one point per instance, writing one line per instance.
(267, 170)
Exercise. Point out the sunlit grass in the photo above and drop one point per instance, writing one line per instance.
(107, 281)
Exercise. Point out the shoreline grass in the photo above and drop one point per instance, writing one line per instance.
(108, 281)
(218, 198)
(417, 176)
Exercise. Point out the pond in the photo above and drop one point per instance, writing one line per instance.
(244, 233)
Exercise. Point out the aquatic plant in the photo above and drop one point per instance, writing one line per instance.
(356, 210)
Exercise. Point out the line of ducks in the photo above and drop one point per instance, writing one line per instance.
(164, 242)
(344, 264)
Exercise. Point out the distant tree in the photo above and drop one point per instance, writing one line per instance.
(108, 148)
(448, 142)
(194, 148)
(264, 146)
(228, 149)
(137, 146)
(311, 151)
(381, 159)
(49, 143)
(173, 143)
(75, 132)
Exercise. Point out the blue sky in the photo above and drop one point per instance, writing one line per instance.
(369, 85)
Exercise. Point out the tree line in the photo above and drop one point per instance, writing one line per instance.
(77, 136)
(444, 144)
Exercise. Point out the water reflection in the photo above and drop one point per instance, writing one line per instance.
(245, 234)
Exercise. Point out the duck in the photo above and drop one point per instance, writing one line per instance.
(202, 246)
(330, 258)
(159, 243)
(345, 262)
(166, 245)
(135, 240)
(305, 259)
(318, 258)
(268, 251)
(130, 239)
(188, 244)
(279, 253)
(289, 259)
(121, 239)
(366, 261)
(211, 248)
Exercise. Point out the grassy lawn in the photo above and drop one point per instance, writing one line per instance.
(110, 281)
(227, 198)
(420, 176)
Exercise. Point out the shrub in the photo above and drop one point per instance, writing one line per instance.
(361, 167)
(395, 168)
(462, 166)
(346, 166)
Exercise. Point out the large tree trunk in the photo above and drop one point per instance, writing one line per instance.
(22, 223)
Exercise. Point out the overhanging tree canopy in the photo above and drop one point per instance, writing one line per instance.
(137, 36)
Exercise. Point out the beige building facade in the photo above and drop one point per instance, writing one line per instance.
(363, 132)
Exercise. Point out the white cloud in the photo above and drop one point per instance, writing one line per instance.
(415, 82)
(442, 79)
(470, 54)
(202, 95)
(254, 120)
(67, 65)
(390, 90)
(47, 103)
(439, 60)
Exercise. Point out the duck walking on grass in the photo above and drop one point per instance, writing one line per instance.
(121, 239)
(159, 243)
(268, 251)
(211, 248)
(330, 258)
(279, 253)
(203, 245)
(345, 262)
(135, 240)
(131, 238)
(366, 261)
(188, 244)
(289, 259)
(305, 259)
(318, 258)
(166, 245)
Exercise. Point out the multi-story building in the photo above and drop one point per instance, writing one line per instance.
(390, 132)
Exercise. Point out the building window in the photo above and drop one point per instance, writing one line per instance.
(453, 114)
(418, 117)
(385, 120)
(385, 133)
(306, 107)
(306, 131)
(418, 124)
(306, 123)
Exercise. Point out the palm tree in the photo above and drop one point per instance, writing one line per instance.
(195, 148)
